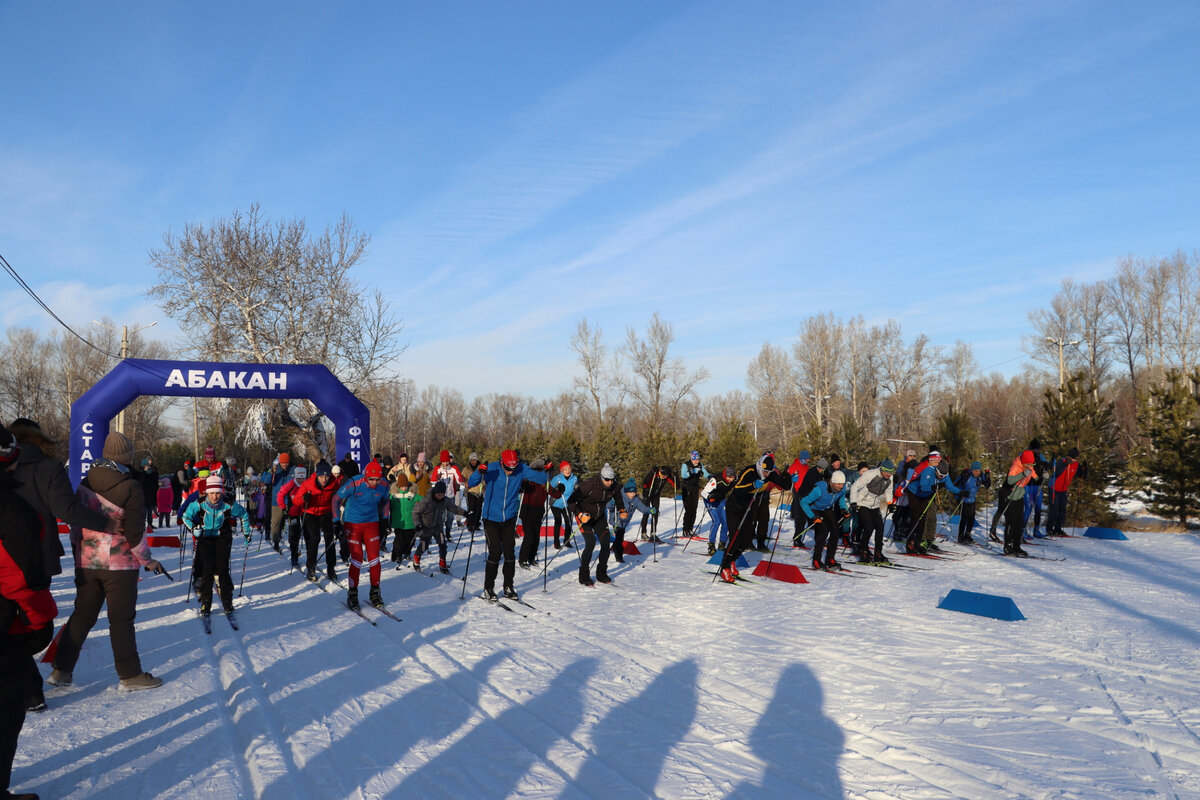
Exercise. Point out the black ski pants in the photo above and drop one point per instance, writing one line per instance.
(966, 520)
(531, 532)
(316, 525)
(212, 561)
(562, 521)
(870, 524)
(591, 531)
(501, 540)
(826, 533)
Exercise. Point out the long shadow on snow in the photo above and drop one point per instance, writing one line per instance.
(138, 748)
(631, 750)
(799, 744)
(1166, 626)
(429, 713)
(491, 760)
(1178, 576)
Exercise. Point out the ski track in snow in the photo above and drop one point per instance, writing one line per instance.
(664, 685)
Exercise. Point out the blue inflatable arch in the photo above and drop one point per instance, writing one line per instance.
(134, 377)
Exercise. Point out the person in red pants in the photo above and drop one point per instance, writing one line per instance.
(364, 504)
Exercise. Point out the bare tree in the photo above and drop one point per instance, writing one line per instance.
(818, 354)
(663, 382)
(256, 291)
(773, 380)
(959, 367)
(596, 381)
(1124, 300)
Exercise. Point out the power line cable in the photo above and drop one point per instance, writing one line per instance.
(29, 290)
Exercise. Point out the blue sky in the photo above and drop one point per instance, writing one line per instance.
(519, 165)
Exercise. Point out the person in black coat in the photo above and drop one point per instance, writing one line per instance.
(588, 503)
(652, 487)
(752, 484)
(42, 482)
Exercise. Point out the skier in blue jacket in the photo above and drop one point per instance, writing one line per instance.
(501, 503)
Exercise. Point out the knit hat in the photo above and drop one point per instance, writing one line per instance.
(323, 468)
(284, 459)
(508, 459)
(473, 457)
(822, 464)
(1073, 452)
(118, 448)
(1035, 445)
(438, 488)
(214, 483)
(804, 455)
(976, 465)
(1027, 457)
(933, 454)
(210, 452)
(564, 464)
(910, 454)
(299, 474)
(834, 457)
(630, 485)
(837, 477)
(421, 458)
(401, 481)
(694, 455)
(444, 457)
(336, 470)
(887, 466)
(607, 472)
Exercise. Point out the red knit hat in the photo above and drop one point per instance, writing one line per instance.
(444, 457)
(1027, 457)
(508, 459)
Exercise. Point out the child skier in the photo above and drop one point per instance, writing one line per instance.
(211, 521)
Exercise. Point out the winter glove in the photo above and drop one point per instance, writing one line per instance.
(654, 512)
(154, 566)
(248, 537)
(758, 484)
(816, 521)
(584, 519)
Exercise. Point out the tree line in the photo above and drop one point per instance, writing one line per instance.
(1112, 365)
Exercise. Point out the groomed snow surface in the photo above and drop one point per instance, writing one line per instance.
(664, 685)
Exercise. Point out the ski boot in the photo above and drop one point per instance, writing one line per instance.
(311, 575)
(332, 575)
(511, 593)
(727, 575)
(445, 570)
(603, 579)
(352, 599)
(817, 564)
(712, 549)
(416, 563)
(375, 597)
(488, 594)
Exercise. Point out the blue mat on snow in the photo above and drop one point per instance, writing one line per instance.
(1105, 533)
(716, 559)
(982, 605)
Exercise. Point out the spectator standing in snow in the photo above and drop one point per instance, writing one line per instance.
(106, 569)
(1020, 473)
(475, 495)
(970, 482)
(27, 608)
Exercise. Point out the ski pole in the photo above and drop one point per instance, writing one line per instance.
(733, 539)
(242, 581)
(467, 569)
(192, 574)
(545, 544)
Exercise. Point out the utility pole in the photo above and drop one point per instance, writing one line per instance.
(1061, 344)
(120, 422)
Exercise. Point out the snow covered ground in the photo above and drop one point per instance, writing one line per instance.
(665, 685)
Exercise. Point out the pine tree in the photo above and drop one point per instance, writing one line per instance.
(656, 449)
(851, 441)
(1079, 419)
(610, 446)
(957, 439)
(1170, 415)
(734, 447)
